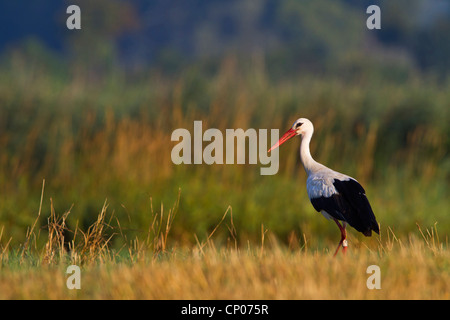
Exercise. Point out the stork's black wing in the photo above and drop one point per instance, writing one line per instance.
(350, 204)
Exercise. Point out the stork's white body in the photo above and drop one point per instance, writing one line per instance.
(320, 184)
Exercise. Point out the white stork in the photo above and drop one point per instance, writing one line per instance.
(336, 195)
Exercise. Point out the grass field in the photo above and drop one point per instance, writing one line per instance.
(416, 267)
(412, 270)
(103, 145)
(411, 273)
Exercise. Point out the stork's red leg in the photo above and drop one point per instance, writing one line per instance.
(343, 241)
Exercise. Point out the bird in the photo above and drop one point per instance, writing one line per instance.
(337, 196)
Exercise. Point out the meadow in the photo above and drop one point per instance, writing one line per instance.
(86, 178)
(413, 268)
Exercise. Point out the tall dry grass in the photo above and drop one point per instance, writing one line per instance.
(413, 267)
(408, 271)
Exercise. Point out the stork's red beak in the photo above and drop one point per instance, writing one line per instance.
(289, 134)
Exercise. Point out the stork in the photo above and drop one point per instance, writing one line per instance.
(337, 196)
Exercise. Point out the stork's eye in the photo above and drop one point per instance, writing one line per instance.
(298, 125)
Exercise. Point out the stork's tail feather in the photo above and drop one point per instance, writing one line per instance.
(374, 227)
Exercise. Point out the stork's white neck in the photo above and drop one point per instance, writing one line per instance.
(308, 162)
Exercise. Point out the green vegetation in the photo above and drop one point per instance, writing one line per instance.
(109, 138)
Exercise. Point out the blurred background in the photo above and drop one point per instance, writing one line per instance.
(91, 111)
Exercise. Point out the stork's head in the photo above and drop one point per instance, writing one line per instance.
(300, 127)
